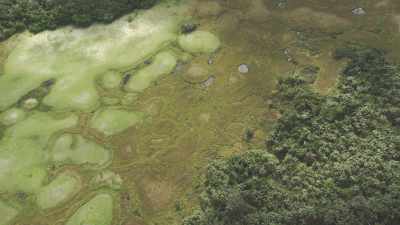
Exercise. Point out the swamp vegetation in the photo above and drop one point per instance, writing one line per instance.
(199, 112)
(329, 160)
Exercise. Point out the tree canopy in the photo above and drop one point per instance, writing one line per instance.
(331, 160)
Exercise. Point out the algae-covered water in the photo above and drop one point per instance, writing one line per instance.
(114, 124)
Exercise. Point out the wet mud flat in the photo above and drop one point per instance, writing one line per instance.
(136, 148)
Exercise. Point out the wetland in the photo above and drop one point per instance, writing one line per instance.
(118, 122)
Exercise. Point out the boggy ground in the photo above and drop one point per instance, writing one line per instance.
(160, 161)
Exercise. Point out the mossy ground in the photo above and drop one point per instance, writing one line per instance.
(161, 160)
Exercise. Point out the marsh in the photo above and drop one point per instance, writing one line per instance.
(113, 116)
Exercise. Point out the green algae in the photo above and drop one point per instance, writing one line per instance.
(74, 66)
(62, 188)
(111, 80)
(73, 93)
(111, 121)
(22, 155)
(12, 116)
(73, 57)
(98, 211)
(72, 60)
(7, 213)
(71, 149)
(164, 63)
(199, 42)
(14, 87)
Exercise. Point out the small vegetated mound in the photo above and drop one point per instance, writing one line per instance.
(39, 15)
(331, 160)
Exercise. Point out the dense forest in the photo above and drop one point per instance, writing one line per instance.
(39, 15)
(331, 160)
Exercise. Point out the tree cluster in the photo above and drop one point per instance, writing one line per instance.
(331, 160)
(39, 15)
